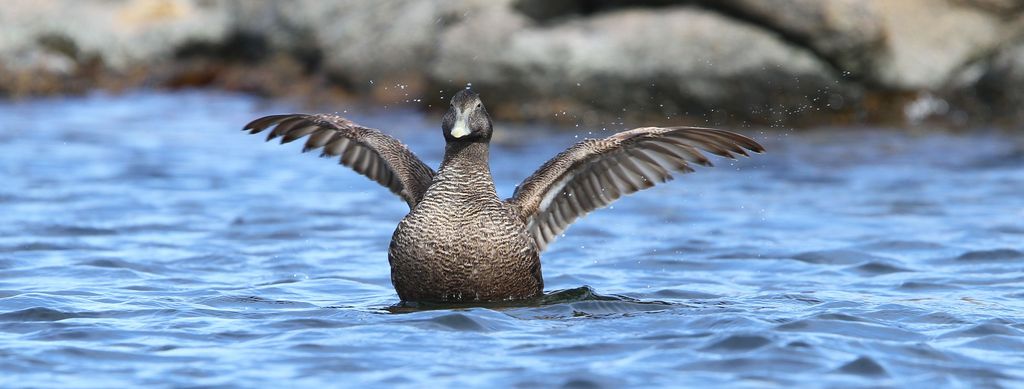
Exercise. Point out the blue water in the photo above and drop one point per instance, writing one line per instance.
(145, 240)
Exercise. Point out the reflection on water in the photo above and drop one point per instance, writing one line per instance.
(145, 240)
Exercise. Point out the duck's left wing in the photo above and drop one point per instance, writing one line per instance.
(367, 151)
(593, 173)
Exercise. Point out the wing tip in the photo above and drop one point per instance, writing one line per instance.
(759, 149)
(745, 142)
(258, 125)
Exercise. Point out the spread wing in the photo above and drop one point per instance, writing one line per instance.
(593, 173)
(367, 151)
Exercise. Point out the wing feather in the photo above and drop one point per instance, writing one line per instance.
(368, 151)
(595, 172)
(319, 138)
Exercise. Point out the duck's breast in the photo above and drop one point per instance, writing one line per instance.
(463, 243)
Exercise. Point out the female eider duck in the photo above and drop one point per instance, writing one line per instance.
(460, 242)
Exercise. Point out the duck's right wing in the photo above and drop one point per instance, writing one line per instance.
(367, 151)
(593, 173)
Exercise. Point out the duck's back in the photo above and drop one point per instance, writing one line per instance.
(462, 243)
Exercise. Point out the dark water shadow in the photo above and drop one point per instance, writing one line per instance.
(581, 294)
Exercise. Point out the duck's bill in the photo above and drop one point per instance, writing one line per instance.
(461, 128)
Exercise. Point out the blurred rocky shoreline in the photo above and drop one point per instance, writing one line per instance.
(955, 63)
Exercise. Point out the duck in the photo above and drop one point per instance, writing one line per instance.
(461, 242)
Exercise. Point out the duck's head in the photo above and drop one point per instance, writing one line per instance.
(466, 119)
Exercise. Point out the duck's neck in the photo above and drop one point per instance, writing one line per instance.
(467, 163)
(463, 155)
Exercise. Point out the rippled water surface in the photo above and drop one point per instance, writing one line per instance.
(145, 240)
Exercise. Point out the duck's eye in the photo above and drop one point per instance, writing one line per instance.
(478, 105)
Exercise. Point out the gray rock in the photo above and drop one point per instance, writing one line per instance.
(1004, 8)
(845, 33)
(928, 41)
(120, 33)
(991, 90)
(667, 61)
(583, 61)
(361, 41)
(894, 44)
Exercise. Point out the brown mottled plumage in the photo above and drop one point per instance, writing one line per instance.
(460, 242)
